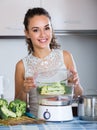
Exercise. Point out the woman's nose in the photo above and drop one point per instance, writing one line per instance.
(42, 33)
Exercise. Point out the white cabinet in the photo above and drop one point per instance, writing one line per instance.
(12, 14)
(88, 14)
(66, 15)
(72, 14)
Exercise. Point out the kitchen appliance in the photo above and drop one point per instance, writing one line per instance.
(55, 96)
(87, 107)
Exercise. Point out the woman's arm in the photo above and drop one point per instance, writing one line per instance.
(22, 85)
(19, 81)
(70, 64)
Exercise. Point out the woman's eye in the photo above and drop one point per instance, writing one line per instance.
(35, 30)
(47, 28)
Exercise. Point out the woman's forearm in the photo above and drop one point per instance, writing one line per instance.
(78, 90)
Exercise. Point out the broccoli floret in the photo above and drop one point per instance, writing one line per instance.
(51, 89)
(18, 106)
(3, 102)
(68, 89)
(6, 113)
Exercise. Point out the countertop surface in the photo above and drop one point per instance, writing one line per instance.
(75, 124)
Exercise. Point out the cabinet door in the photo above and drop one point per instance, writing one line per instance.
(88, 14)
(64, 13)
(72, 14)
(12, 14)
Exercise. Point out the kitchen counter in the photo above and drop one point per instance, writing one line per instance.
(75, 124)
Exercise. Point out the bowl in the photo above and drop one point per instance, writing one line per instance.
(55, 93)
(53, 88)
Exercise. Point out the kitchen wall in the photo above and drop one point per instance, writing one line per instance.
(11, 50)
(83, 49)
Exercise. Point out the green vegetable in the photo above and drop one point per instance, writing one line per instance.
(68, 89)
(6, 113)
(18, 106)
(51, 89)
(3, 102)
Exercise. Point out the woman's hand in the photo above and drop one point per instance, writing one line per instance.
(78, 90)
(74, 78)
(29, 83)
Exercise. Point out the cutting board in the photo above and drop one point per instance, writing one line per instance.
(20, 121)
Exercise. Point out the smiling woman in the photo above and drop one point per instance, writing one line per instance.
(44, 55)
(39, 31)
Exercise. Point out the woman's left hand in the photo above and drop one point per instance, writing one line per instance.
(75, 78)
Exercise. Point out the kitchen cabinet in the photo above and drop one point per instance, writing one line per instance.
(72, 14)
(67, 15)
(12, 14)
(88, 14)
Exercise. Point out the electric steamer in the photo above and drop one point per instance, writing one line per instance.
(55, 96)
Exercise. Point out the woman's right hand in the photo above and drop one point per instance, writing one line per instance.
(29, 83)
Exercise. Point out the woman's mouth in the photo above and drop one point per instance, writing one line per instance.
(43, 40)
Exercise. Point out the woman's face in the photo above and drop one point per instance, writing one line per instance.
(39, 31)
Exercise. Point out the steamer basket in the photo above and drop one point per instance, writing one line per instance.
(53, 89)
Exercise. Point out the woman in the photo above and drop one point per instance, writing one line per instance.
(44, 54)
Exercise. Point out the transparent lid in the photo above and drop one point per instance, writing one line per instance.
(53, 76)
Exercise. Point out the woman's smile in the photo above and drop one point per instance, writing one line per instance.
(43, 40)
